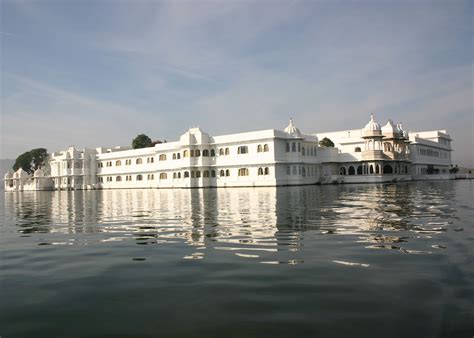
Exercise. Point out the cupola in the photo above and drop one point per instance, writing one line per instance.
(292, 130)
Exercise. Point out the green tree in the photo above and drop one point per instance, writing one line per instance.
(141, 141)
(24, 161)
(31, 160)
(39, 157)
(325, 142)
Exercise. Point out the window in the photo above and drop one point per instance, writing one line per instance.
(77, 164)
(303, 171)
(287, 147)
(192, 174)
(266, 148)
(179, 175)
(162, 157)
(377, 169)
(260, 171)
(243, 172)
(100, 179)
(387, 169)
(213, 173)
(138, 161)
(191, 153)
(163, 176)
(227, 172)
(139, 178)
(359, 170)
(259, 148)
(205, 153)
(293, 147)
(205, 173)
(221, 173)
(174, 175)
(227, 151)
(128, 162)
(371, 169)
(150, 177)
(342, 171)
(178, 156)
(186, 174)
(242, 150)
(357, 150)
(266, 171)
(198, 174)
(299, 147)
(213, 153)
(351, 170)
(303, 151)
(197, 153)
(118, 163)
(118, 178)
(185, 153)
(221, 151)
(174, 156)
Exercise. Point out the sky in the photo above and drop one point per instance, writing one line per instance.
(97, 73)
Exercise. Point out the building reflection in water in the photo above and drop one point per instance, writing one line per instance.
(250, 223)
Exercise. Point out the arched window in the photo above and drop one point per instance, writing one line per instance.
(243, 172)
(259, 148)
(342, 171)
(221, 151)
(359, 170)
(387, 169)
(197, 153)
(138, 161)
(213, 153)
(377, 169)
(174, 156)
(227, 172)
(162, 157)
(303, 151)
(205, 173)
(266, 148)
(299, 147)
(174, 175)
(118, 178)
(118, 163)
(213, 173)
(221, 173)
(406, 169)
(163, 176)
(227, 151)
(191, 153)
(266, 171)
(371, 169)
(179, 175)
(185, 153)
(260, 171)
(242, 150)
(351, 170)
(139, 178)
(293, 147)
(186, 174)
(287, 147)
(357, 149)
(178, 156)
(205, 153)
(198, 174)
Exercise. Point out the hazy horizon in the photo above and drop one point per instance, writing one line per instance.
(99, 73)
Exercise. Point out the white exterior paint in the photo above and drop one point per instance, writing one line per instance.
(260, 158)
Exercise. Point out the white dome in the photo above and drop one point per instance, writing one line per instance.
(292, 130)
(39, 173)
(372, 125)
(389, 127)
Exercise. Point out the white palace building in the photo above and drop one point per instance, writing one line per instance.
(260, 158)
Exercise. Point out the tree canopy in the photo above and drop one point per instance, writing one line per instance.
(141, 141)
(325, 142)
(31, 160)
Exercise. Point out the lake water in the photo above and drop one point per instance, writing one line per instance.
(391, 260)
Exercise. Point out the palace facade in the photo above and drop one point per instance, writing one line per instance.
(261, 158)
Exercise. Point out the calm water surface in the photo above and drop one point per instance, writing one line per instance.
(329, 261)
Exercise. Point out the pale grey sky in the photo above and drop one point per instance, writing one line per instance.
(97, 73)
